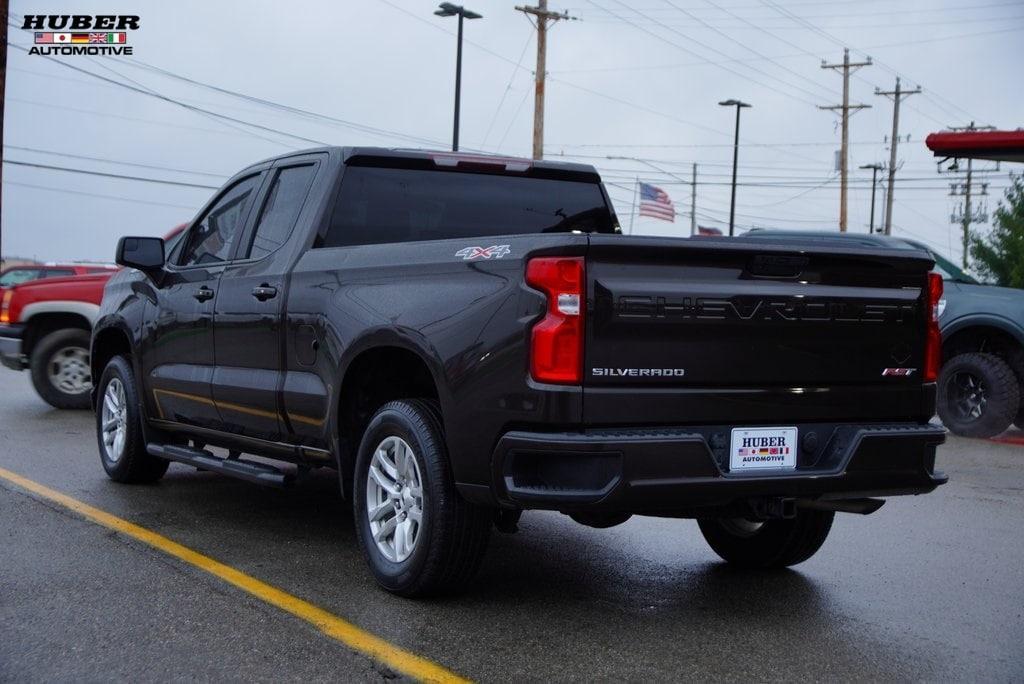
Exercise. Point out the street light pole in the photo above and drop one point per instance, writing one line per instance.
(735, 159)
(447, 9)
(875, 168)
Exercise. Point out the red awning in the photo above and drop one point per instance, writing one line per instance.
(994, 145)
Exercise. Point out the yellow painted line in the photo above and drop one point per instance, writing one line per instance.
(333, 626)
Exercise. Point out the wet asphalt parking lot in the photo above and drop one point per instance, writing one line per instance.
(929, 587)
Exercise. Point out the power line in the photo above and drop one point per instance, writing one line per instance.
(113, 161)
(747, 47)
(796, 18)
(802, 53)
(515, 117)
(720, 23)
(109, 175)
(872, 13)
(710, 48)
(95, 194)
(171, 100)
(560, 80)
(504, 93)
(150, 122)
(217, 117)
(363, 128)
(262, 101)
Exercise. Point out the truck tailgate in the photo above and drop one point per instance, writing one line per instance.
(696, 330)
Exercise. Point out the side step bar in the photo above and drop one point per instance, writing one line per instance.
(250, 471)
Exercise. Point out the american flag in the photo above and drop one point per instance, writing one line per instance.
(655, 202)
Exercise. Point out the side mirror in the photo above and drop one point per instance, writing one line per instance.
(143, 253)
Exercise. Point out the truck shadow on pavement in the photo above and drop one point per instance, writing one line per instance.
(553, 585)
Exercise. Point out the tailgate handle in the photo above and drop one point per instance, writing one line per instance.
(777, 266)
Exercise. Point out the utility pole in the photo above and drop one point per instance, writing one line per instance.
(848, 67)
(543, 16)
(875, 168)
(3, 83)
(897, 96)
(967, 212)
(966, 190)
(693, 202)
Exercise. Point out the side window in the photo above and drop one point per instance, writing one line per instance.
(57, 273)
(281, 210)
(211, 239)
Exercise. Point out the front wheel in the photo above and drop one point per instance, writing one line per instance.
(119, 427)
(419, 536)
(769, 543)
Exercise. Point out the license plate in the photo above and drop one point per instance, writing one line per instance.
(762, 448)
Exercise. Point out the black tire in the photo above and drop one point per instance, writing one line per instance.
(978, 395)
(63, 346)
(452, 535)
(134, 465)
(1019, 418)
(770, 544)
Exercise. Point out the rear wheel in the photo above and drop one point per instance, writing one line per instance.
(60, 369)
(419, 536)
(978, 395)
(768, 543)
(119, 427)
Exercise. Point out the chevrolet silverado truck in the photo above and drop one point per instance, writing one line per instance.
(46, 315)
(981, 384)
(466, 337)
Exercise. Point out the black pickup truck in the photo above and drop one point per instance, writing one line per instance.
(465, 337)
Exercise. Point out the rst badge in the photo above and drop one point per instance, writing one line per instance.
(492, 252)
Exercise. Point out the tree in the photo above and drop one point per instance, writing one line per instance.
(999, 256)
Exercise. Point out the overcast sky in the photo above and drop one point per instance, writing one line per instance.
(632, 78)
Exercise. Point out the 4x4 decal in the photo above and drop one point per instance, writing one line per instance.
(492, 252)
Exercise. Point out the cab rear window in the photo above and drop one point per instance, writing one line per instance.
(381, 205)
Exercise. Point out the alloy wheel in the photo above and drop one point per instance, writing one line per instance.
(394, 499)
(969, 395)
(114, 420)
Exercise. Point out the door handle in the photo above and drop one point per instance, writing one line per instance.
(204, 293)
(264, 292)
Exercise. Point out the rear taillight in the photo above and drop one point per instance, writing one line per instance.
(556, 349)
(933, 338)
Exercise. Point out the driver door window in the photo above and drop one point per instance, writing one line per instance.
(211, 239)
